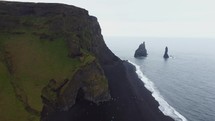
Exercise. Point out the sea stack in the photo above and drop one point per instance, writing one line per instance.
(141, 51)
(166, 53)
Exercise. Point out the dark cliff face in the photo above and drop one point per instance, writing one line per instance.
(48, 53)
(141, 51)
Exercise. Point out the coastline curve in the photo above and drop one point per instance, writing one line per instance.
(164, 107)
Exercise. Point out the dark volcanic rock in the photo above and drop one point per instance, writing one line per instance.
(141, 51)
(166, 53)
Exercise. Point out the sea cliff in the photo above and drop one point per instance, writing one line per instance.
(55, 66)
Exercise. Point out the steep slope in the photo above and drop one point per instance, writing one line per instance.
(55, 66)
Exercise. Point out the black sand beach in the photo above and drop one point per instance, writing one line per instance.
(131, 101)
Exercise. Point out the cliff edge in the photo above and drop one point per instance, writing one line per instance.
(55, 66)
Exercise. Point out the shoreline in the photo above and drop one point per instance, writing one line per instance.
(163, 105)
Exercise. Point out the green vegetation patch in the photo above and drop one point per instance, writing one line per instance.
(11, 109)
(34, 62)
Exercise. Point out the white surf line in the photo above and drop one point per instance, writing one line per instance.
(163, 105)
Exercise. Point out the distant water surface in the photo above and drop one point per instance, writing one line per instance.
(186, 80)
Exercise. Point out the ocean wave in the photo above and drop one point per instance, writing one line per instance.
(163, 105)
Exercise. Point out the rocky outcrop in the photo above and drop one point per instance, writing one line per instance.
(141, 51)
(88, 78)
(166, 53)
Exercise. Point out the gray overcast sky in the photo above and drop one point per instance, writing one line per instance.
(151, 18)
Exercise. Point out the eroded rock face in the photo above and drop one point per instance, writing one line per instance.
(89, 78)
(166, 53)
(141, 51)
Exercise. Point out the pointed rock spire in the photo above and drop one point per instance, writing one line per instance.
(166, 53)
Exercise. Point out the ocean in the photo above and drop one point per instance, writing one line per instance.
(184, 84)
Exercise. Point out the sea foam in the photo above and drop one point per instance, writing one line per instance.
(163, 105)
